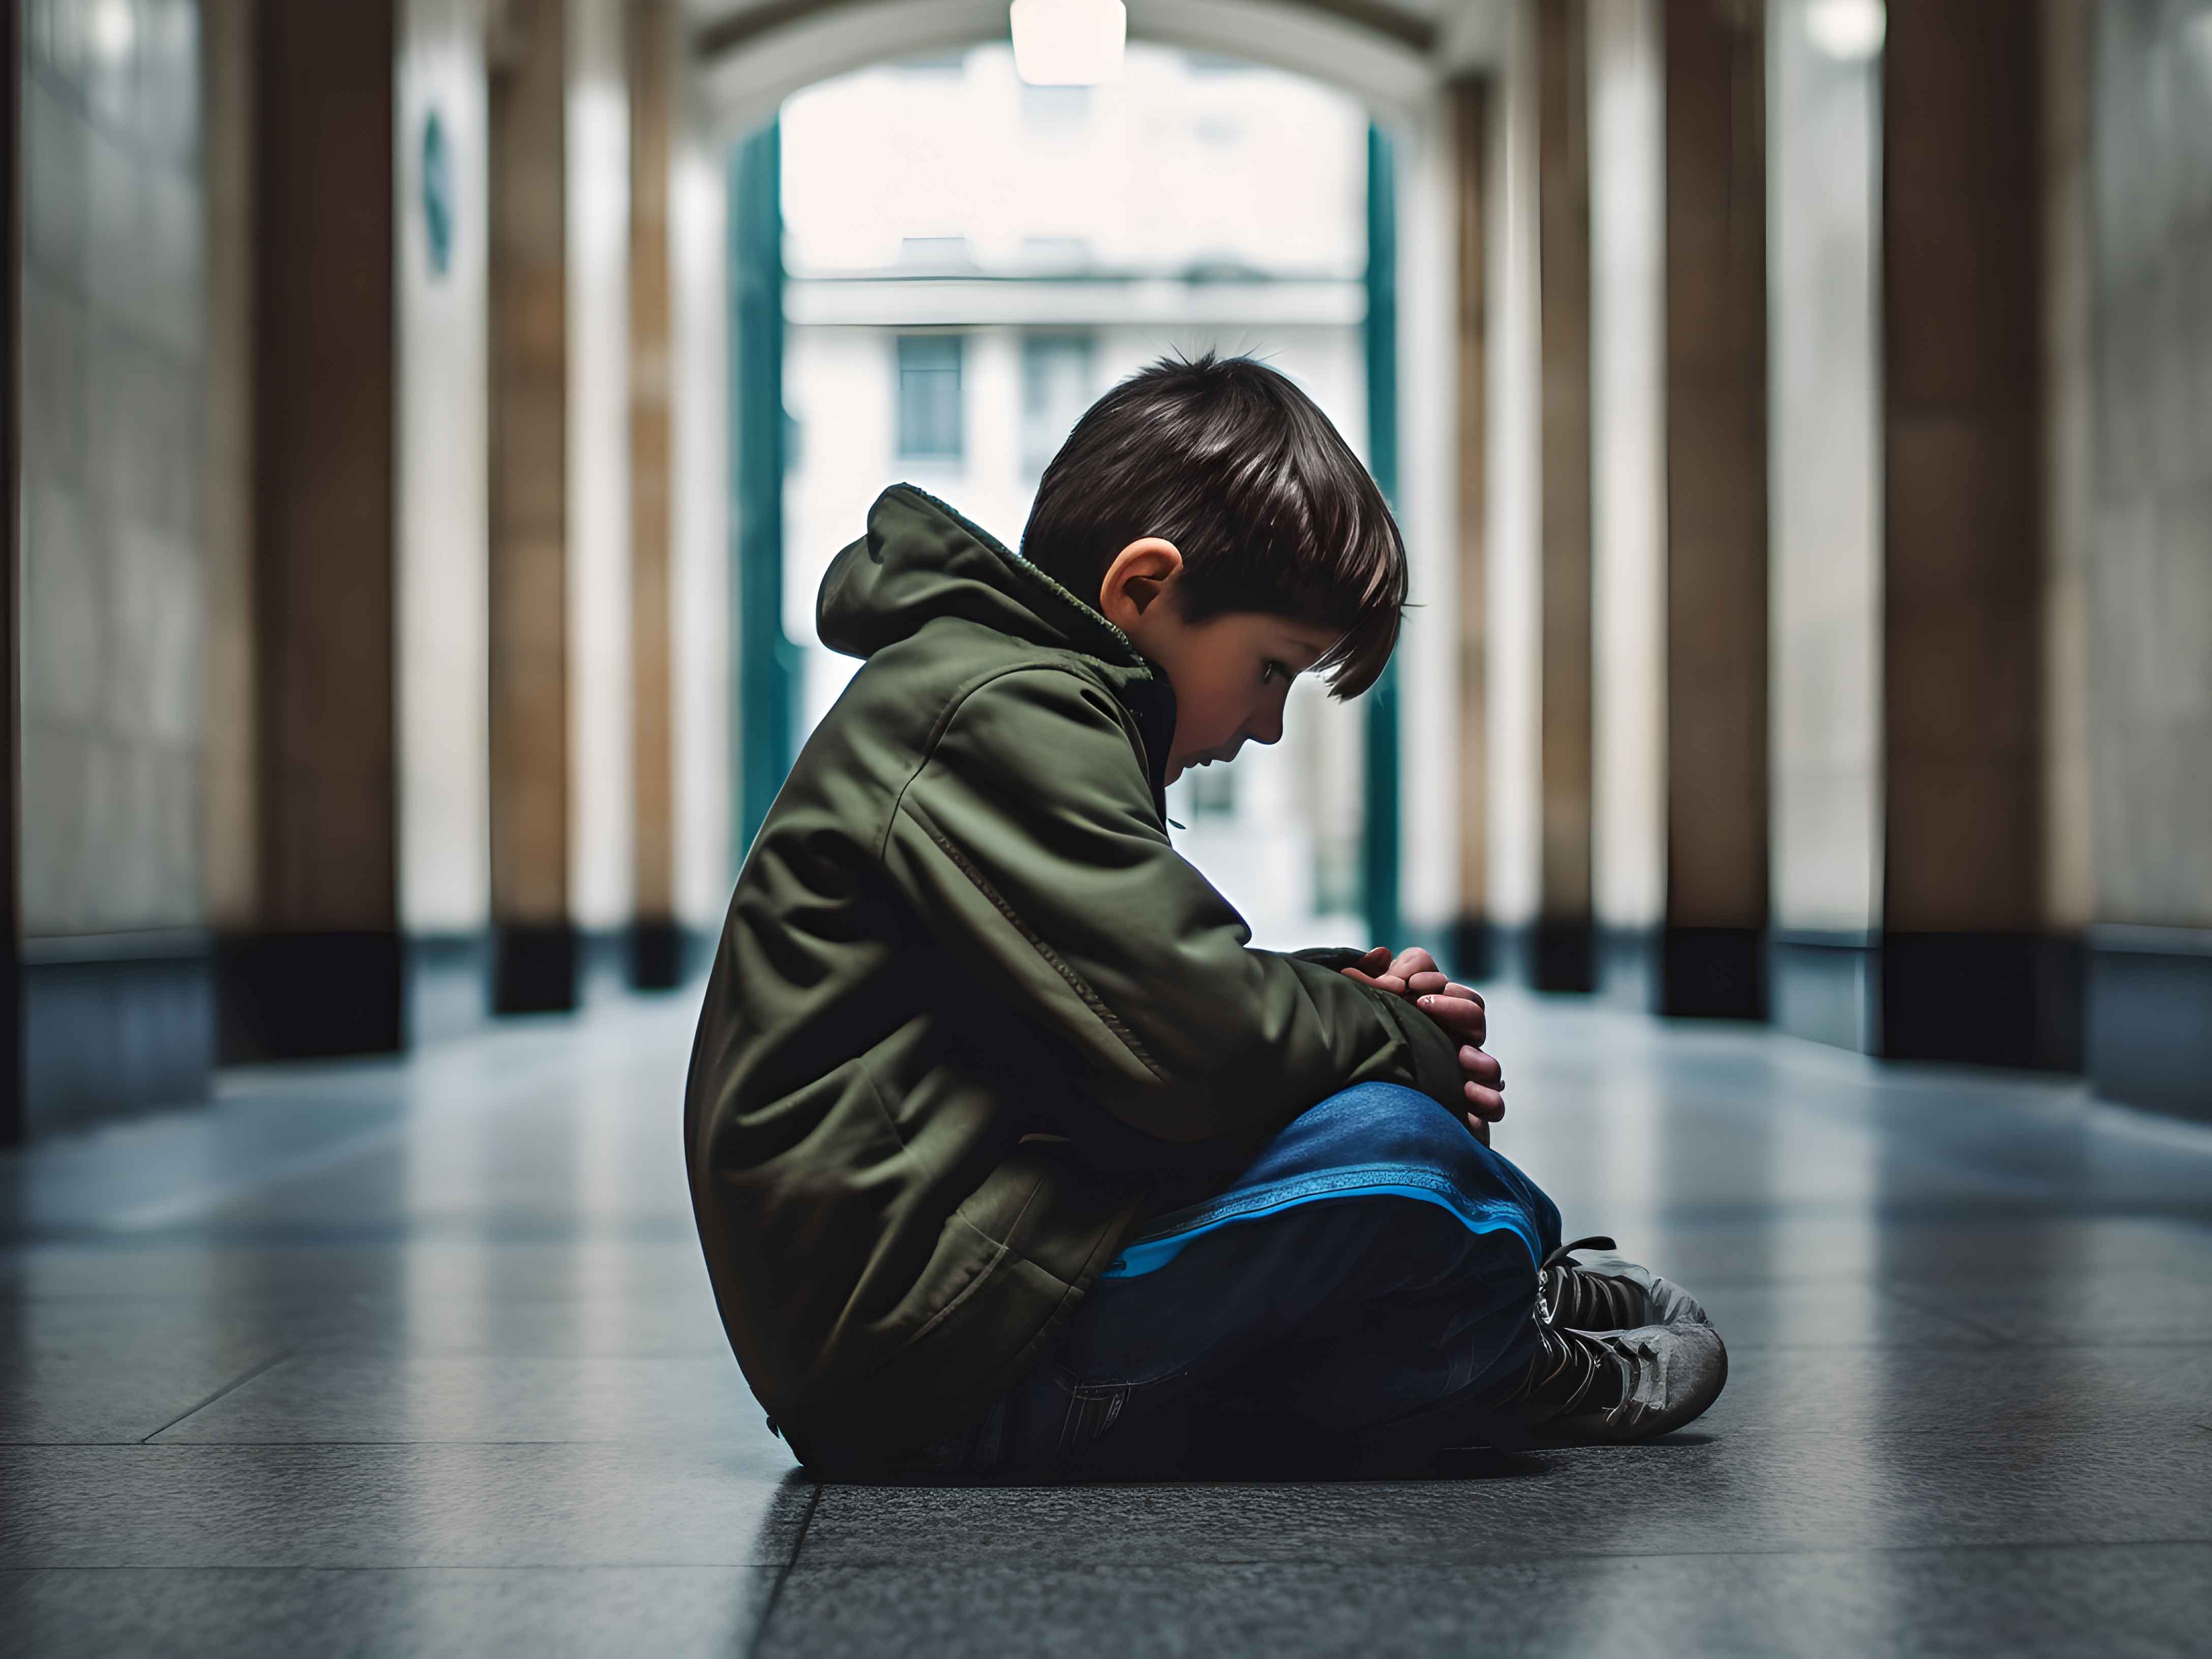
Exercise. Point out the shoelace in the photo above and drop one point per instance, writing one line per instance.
(1570, 1294)
(1570, 1371)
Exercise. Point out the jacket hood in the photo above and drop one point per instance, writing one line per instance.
(921, 560)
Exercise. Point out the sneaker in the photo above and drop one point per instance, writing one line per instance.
(1609, 1293)
(1621, 1385)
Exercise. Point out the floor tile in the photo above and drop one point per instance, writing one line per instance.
(395, 1506)
(339, 1398)
(79, 1370)
(2137, 1603)
(1695, 1496)
(424, 1612)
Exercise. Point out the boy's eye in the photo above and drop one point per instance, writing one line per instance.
(1270, 668)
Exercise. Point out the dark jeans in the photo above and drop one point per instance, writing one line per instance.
(1361, 1292)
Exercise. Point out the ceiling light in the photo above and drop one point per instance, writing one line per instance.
(1069, 43)
(1850, 30)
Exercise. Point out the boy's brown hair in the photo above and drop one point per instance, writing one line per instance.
(1270, 508)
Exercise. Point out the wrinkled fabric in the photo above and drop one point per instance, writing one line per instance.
(1374, 1265)
(970, 1014)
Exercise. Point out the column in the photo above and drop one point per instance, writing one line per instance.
(656, 939)
(1560, 945)
(319, 971)
(1712, 944)
(1467, 116)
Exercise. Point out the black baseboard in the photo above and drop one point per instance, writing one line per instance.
(114, 1025)
(1562, 954)
(2148, 1017)
(1685, 973)
(448, 985)
(1713, 973)
(1474, 950)
(1982, 998)
(659, 953)
(1547, 954)
(309, 995)
(534, 968)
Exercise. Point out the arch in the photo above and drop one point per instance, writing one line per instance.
(751, 60)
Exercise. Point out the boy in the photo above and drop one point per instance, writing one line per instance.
(1010, 1154)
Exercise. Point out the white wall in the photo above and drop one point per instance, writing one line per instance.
(1428, 650)
(1627, 464)
(699, 577)
(1515, 648)
(601, 784)
(443, 600)
(1823, 259)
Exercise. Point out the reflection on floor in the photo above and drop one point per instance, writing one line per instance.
(418, 1357)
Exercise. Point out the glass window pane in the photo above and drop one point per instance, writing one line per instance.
(929, 402)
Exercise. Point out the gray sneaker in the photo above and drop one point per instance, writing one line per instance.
(1669, 1375)
(1618, 1385)
(1607, 1293)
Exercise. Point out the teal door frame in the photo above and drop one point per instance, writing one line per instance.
(1379, 823)
(766, 683)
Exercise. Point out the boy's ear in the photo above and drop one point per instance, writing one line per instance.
(1138, 575)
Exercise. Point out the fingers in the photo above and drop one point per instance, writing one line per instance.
(1412, 960)
(1488, 1104)
(1480, 1067)
(1462, 1016)
(1478, 1128)
(1389, 982)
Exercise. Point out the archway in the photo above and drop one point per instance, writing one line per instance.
(1394, 61)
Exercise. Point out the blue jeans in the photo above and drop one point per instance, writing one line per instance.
(1367, 1281)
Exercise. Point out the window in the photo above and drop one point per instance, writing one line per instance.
(1055, 390)
(929, 427)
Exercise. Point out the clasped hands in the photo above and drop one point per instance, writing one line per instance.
(1413, 975)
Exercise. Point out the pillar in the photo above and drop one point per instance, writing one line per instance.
(657, 938)
(1712, 944)
(1560, 944)
(1468, 114)
(319, 971)
(1962, 551)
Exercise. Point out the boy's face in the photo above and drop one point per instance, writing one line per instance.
(1230, 673)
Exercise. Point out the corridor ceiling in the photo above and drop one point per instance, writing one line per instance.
(1392, 54)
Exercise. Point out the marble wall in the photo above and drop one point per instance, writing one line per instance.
(2147, 559)
(1825, 528)
(2150, 578)
(115, 582)
(114, 557)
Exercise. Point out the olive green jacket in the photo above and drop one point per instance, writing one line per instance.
(970, 1008)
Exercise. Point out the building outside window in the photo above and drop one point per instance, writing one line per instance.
(1056, 388)
(929, 425)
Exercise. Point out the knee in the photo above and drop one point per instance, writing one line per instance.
(1390, 1123)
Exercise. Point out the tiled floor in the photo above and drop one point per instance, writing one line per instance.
(419, 1358)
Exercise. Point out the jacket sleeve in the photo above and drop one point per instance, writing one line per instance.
(1028, 844)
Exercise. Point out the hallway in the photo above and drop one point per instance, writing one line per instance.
(416, 1355)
